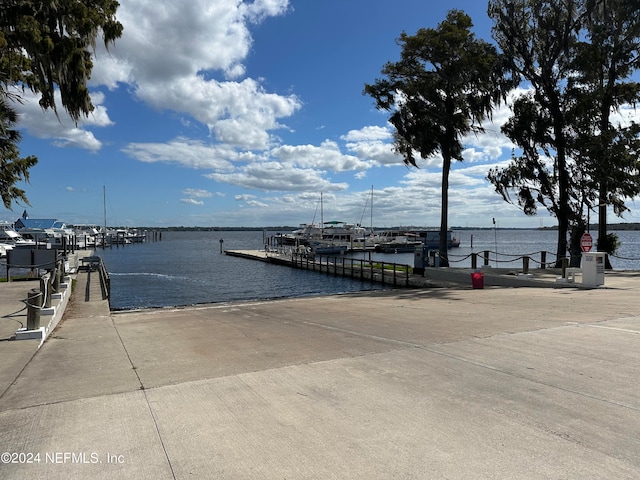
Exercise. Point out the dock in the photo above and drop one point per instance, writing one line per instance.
(399, 383)
(402, 276)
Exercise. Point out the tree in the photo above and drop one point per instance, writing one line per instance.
(578, 57)
(604, 64)
(445, 84)
(46, 46)
(12, 168)
(537, 38)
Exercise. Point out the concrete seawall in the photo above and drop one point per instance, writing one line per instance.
(432, 277)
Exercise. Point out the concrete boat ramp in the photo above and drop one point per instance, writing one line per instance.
(431, 383)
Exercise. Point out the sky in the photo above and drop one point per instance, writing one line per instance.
(245, 113)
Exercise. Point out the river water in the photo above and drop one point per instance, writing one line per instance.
(187, 268)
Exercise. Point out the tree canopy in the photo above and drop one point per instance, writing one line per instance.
(442, 88)
(578, 57)
(44, 47)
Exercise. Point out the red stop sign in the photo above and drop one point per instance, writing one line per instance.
(586, 242)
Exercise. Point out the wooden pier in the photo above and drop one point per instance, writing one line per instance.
(403, 276)
(386, 273)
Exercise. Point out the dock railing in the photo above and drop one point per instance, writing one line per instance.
(387, 273)
(95, 263)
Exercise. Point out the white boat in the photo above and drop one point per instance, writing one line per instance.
(87, 235)
(395, 241)
(399, 240)
(340, 236)
(302, 235)
(9, 237)
(125, 236)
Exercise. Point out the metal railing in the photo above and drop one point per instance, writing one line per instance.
(95, 263)
(387, 273)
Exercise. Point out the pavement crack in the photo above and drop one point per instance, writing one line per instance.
(146, 399)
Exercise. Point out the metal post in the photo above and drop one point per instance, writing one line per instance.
(56, 277)
(45, 287)
(486, 257)
(543, 259)
(525, 265)
(34, 301)
(474, 260)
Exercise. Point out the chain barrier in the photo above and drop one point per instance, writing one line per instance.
(489, 255)
(630, 259)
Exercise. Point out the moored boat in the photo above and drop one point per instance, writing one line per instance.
(398, 240)
(10, 238)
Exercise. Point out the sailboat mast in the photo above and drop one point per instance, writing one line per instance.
(104, 206)
(321, 214)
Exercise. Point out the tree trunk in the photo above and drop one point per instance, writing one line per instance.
(444, 211)
(602, 221)
(575, 249)
(563, 212)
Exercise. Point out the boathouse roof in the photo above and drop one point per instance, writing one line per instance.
(37, 223)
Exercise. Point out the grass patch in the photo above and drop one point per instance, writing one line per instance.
(387, 266)
(19, 278)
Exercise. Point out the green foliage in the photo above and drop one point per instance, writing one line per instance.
(445, 84)
(441, 89)
(46, 46)
(579, 57)
(13, 169)
(609, 243)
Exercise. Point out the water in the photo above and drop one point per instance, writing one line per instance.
(187, 268)
(512, 245)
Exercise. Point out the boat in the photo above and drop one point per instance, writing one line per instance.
(431, 238)
(399, 240)
(10, 238)
(302, 235)
(87, 236)
(57, 237)
(125, 236)
(339, 237)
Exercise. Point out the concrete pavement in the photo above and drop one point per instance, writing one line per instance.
(453, 383)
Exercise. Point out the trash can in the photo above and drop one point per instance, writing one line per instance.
(477, 279)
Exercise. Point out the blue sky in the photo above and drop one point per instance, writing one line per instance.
(231, 113)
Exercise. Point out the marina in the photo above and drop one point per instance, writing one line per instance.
(173, 268)
(515, 382)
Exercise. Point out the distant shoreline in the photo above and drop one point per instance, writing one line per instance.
(285, 228)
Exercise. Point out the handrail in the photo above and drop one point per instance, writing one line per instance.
(105, 279)
(96, 262)
(377, 271)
